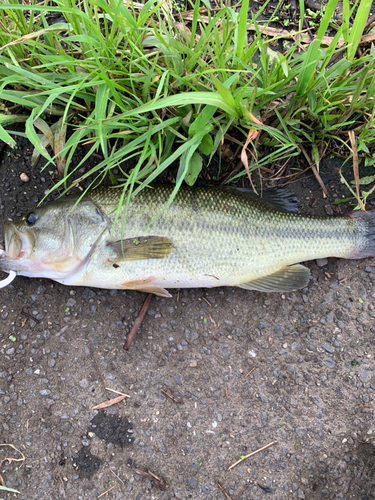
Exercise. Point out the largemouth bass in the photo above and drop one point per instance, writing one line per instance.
(208, 237)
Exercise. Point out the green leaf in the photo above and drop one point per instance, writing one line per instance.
(194, 169)
(202, 120)
(364, 181)
(308, 67)
(207, 145)
(225, 93)
(358, 27)
(34, 137)
(212, 98)
(5, 137)
(241, 32)
(327, 18)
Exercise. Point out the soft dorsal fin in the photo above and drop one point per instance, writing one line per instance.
(285, 280)
(141, 248)
(279, 199)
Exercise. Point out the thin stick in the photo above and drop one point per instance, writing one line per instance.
(171, 396)
(315, 171)
(251, 454)
(137, 322)
(114, 473)
(157, 481)
(105, 492)
(251, 371)
(207, 302)
(118, 392)
(223, 490)
(10, 460)
(355, 167)
(29, 316)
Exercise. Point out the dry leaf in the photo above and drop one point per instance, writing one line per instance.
(109, 402)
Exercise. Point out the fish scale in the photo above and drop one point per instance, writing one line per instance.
(226, 235)
(207, 237)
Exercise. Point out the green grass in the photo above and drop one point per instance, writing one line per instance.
(138, 83)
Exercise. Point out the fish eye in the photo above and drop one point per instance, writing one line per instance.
(31, 218)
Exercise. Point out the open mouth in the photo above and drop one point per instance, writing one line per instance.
(17, 243)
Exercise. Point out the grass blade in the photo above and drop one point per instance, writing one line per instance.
(358, 27)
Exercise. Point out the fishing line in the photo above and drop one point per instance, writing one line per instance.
(8, 280)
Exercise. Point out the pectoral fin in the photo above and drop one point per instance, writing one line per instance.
(285, 280)
(141, 248)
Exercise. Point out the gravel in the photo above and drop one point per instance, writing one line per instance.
(293, 369)
(307, 384)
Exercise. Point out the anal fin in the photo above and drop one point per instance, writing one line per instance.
(284, 280)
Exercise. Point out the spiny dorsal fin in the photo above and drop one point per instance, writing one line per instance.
(285, 280)
(141, 248)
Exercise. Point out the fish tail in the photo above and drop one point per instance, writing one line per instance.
(364, 233)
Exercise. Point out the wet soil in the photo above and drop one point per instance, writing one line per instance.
(295, 370)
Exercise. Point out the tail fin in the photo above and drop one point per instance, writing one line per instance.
(365, 231)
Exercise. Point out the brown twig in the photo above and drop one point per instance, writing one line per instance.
(114, 473)
(29, 316)
(223, 491)
(251, 454)
(171, 396)
(315, 171)
(250, 372)
(118, 392)
(243, 489)
(294, 177)
(212, 320)
(137, 322)
(10, 460)
(158, 481)
(308, 28)
(105, 492)
(355, 167)
(207, 302)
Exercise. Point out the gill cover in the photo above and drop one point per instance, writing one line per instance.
(53, 240)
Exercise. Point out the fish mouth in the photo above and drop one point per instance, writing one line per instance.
(18, 244)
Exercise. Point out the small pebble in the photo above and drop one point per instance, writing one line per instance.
(364, 374)
(24, 177)
(328, 348)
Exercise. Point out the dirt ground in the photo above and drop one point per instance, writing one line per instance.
(293, 372)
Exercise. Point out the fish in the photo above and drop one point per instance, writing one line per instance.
(207, 237)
